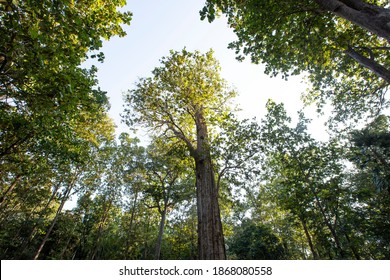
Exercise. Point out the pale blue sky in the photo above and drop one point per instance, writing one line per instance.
(159, 26)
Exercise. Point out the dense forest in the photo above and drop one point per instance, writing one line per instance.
(208, 185)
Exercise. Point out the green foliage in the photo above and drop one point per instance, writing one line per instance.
(255, 242)
(308, 185)
(168, 175)
(42, 88)
(282, 194)
(186, 100)
(237, 150)
(185, 83)
(292, 37)
(53, 115)
(181, 240)
(371, 151)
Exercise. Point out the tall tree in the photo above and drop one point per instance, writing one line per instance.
(259, 24)
(185, 99)
(370, 180)
(374, 18)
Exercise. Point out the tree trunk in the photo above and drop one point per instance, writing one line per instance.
(129, 234)
(61, 257)
(371, 17)
(9, 190)
(146, 239)
(211, 244)
(354, 251)
(331, 227)
(309, 240)
(8, 150)
(33, 231)
(48, 232)
(161, 232)
(105, 216)
(328, 223)
(369, 63)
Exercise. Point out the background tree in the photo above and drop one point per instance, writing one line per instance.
(372, 151)
(310, 180)
(255, 242)
(300, 184)
(181, 238)
(167, 181)
(45, 97)
(369, 154)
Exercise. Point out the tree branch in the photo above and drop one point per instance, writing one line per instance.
(371, 64)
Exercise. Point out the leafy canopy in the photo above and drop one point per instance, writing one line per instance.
(302, 37)
(185, 84)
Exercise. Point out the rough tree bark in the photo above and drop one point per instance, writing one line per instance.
(210, 234)
(211, 244)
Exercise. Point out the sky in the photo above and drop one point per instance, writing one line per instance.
(159, 26)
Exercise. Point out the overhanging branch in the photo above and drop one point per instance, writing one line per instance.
(369, 63)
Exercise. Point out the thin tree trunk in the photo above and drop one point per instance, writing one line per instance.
(61, 257)
(369, 63)
(106, 210)
(48, 232)
(8, 150)
(129, 235)
(322, 210)
(160, 232)
(146, 239)
(327, 223)
(309, 240)
(9, 190)
(354, 251)
(33, 231)
(371, 17)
